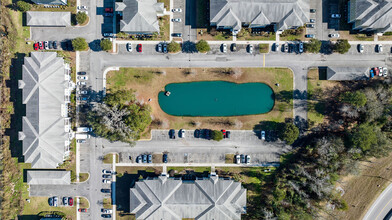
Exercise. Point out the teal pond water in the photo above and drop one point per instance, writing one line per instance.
(216, 98)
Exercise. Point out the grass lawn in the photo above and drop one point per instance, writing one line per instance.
(135, 170)
(182, 170)
(229, 158)
(362, 190)
(70, 162)
(355, 37)
(148, 82)
(245, 34)
(317, 95)
(83, 177)
(264, 48)
(385, 37)
(84, 203)
(107, 203)
(205, 34)
(108, 158)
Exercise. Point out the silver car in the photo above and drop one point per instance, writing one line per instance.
(224, 48)
(55, 201)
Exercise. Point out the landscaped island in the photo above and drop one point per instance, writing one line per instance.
(216, 98)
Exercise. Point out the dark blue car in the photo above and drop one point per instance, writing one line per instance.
(144, 158)
(164, 158)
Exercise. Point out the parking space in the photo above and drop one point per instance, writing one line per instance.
(179, 26)
(370, 49)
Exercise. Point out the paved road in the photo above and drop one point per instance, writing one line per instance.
(381, 207)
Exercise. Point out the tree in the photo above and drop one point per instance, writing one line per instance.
(289, 133)
(202, 46)
(313, 46)
(79, 44)
(106, 44)
(342, 46)
(357, 98)
(217, 135)
(363, 137)
(23, 6)
(81, 17)
(173, 47)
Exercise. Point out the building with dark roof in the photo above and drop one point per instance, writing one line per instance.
(46, 93)
(371, 15)
(172, 198)
(235, 14)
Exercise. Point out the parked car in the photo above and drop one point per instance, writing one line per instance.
(82, 7)
(105, 190)
(207, 134)
(310, 25)
(371, 73)
(110, 10)
(144, 158)
(360, 48)
(309, 35)
(81, 141)
(65, 201)
(176, 10)
(149, 158)
(46, 43)
(82, 210)
(385, 72)
(182, 133)
(36, 46)
(312, 10)
(50, 45)
(247, 159)
(262, 135)
(164, 47)
(376, 71)
(234, 47)
(164, 158)
(106, 181)
(224, 133)
(106, 176)
(159, 47)
(41, 45)
(381, 73)
(237, 159)
(129, 47)
(108, 34)
(81, 98)
(82, 77)
(176, 20)
(82, 92)
(276, 46)
(224, 48)
(139, 159)
(55, 45)
(301, 47)
(139, 48)
(106, 216)
(250, 48)
(108, 15)
(379, 48)
(286, 47)
(81, 83)
(227, 134)
(50, 201)
(177, 35)
(70, 201)
(82, 73)
(105, 171)
(172, 134)
(334, 35)
(242, 158)
(336, 16)
(312, 20)
(55, 201)
(108, 211)
(197, 133)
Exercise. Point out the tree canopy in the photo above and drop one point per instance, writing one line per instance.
(106, 44)
(313, 46)
(23, 6)
(357, 98)
(81, 17)
(217, 135)
(289, 133)
(79, 44)
(341, 46)
(363, 137)
(173, 47)
(202, 46)
(119, 117)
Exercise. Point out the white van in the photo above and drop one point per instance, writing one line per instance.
(83, 129)
(82, 136)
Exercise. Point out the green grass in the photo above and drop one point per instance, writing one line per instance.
(222, 36)
(130, 75)
(107, 203)
(108, 158)
(135, 170)
(264, 48)
(166, 3)
(84, 203)
(363, 37)
(195, 169)
(229, 158)
(83, 177)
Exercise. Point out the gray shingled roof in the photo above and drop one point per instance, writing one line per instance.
(371, 15)
(48, 177)
(168, 198)
(50, 2)
(48, 18)
(347, 73)
(139, 16)
(284, 14)
(44, 85)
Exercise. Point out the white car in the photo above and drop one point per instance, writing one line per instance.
(82, 92)
(81, 83)
(106, 181)
(262, 135)
(247, 159)
(334, 35)
(182, 133)
(379, 48)
(237, 159)
(250, 48)
(176, 20)
(82, 77)
(336, 16)
(224, 48)
(129, 47)
(106, 171)
(107, 211)
(46, 44)
(176, 10)
(55, 201)
(385, 72)
(361, 48)
(82, 7)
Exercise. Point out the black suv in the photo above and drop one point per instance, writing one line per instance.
(172, 134)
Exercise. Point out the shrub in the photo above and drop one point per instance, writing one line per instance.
(173, 47)
(81, 17)
(313, 46)
(79, 44)
(289, 133)
(106, 44)
(202, 46)
(217, 135)
(341, 46)
(23, 6)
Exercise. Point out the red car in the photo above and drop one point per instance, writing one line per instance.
(36, 46)
(109, 10)
(70, 201)
(376, 71)
(139, 48)
(41, 45)
(82, 210)
(224, 133)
